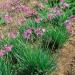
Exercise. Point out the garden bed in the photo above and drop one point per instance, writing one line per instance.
(35, 37)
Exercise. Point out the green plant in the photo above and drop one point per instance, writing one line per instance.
(52, 3)
(6, 66)
(54, 38)
(2, 21)
(33, 61)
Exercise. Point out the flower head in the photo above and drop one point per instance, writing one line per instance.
(2, 53)
(57, 11)
(62, 1)
(8, 48)
(51, 16)
(21, 20)
(27, 34)
(8, 18)
(39, 32)
(12, 34)
(26, 10)
(37, 20)
(72, 18)
(69, 27)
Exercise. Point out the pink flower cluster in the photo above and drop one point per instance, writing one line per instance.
(69, 25)
(51, 16)
(62, 1)
(64, 5)
(28, 32)
(39, 32)
(8, 4)
(6, 49)
(8, 18)
(13, 34)
(37, 20)
(55, 11)
(27, 10)
(21, 20)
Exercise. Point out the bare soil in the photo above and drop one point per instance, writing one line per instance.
(66, 61)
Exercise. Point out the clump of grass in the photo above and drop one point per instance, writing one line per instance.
(33, 61)
(6, 68)
(30, 59)
(2, 21)
(54, 38)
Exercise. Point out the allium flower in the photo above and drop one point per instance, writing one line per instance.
(62, 1)
(39, 32)
(2, 53)
(12, 34)
(69, 27)
(8, 18)
(5, 5)
(27, 33)
(15, 1)
(27, 10)
(65, 5)
(51, 16)
(21, 20)
(8, 48)
(41, 6)
(57, 11)
(72, 18)
(18, 8)
(67, 23)
(37, 20)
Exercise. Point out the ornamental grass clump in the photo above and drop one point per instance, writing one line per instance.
(5, 67)
(54, 38)
(33, 61)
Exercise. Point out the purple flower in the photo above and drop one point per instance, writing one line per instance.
(65, 5)
(37, 20)
(51, 16)
(57, 11)
(72, 18)
(5, 5)
(21, 20)
(62, 1)
(67, 23)
(8, 48)
(8, 18)
(28, 11)
(15, 1)
(27, 33)
(12, 34)
(69, 27)
(2, 53)
(39, 32)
